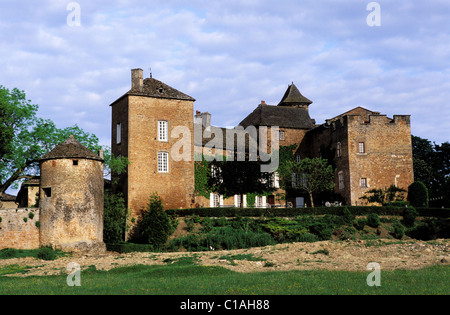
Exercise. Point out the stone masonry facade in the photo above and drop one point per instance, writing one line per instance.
(368, 150)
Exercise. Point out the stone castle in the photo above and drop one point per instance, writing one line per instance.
(368, 150)
(155, 127)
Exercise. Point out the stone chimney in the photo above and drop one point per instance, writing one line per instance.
(137, 79)
(203, 118)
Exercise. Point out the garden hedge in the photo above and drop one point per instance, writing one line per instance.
(293, 212)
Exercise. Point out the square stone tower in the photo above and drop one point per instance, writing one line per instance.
(148, 123)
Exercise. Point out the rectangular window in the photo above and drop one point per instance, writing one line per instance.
(215, 200)
(298, 158)
(119, 133)
(163, 162)
(361, 147)
(338, 149)
(47, 192)
(75, 162)
(363, 182)
(163, 131)
(258, 202)
(341, 180)
(276, 180)
(281, 135)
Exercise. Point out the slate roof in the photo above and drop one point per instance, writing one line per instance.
(282, 116)
(293, 97)
(155, 88)
(70, 148)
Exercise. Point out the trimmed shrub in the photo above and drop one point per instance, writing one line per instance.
(373, 220)
(360, 224)
(347, 216)
(418, 194)
(398, 230)
(409, 216)
(155, 225)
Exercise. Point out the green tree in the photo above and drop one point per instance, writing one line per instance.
(231, 178)
(431, 165)
(25, 138)
(154, 226)
(114, 218)
(310, 175)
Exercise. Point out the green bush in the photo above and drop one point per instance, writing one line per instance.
(154, 225)
(373, 220)
(47, 253)
(207, 224)
(221, 238)
(430, 229)
(418, 194)
(347, 216)
(409, 216)
(398, 230)
(360, 224)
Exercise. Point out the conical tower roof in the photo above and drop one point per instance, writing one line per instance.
(70, 148)
(293, 97)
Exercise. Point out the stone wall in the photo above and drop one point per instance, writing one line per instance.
(18, 228)
(139, 116)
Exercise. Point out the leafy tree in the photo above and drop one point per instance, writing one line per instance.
(231, 178)
(431, 165)
(310, 175)
(25, 138)
(115, 218)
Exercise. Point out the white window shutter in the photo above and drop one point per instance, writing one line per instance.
(211, 200)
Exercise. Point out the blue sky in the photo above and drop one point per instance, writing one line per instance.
(230, 55)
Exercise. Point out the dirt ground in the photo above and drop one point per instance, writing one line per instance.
(331, 255)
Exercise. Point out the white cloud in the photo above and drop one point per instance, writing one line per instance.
(230, 56)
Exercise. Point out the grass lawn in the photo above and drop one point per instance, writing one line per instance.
(191, 279)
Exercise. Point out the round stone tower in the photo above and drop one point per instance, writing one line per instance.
(71, 198)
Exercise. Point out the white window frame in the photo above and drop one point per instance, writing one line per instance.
(361, 147)
(215, 200)
(163, 130)
(118, 133)
(339, 149)
(163, 162)
(298, 159)
(276, 180)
